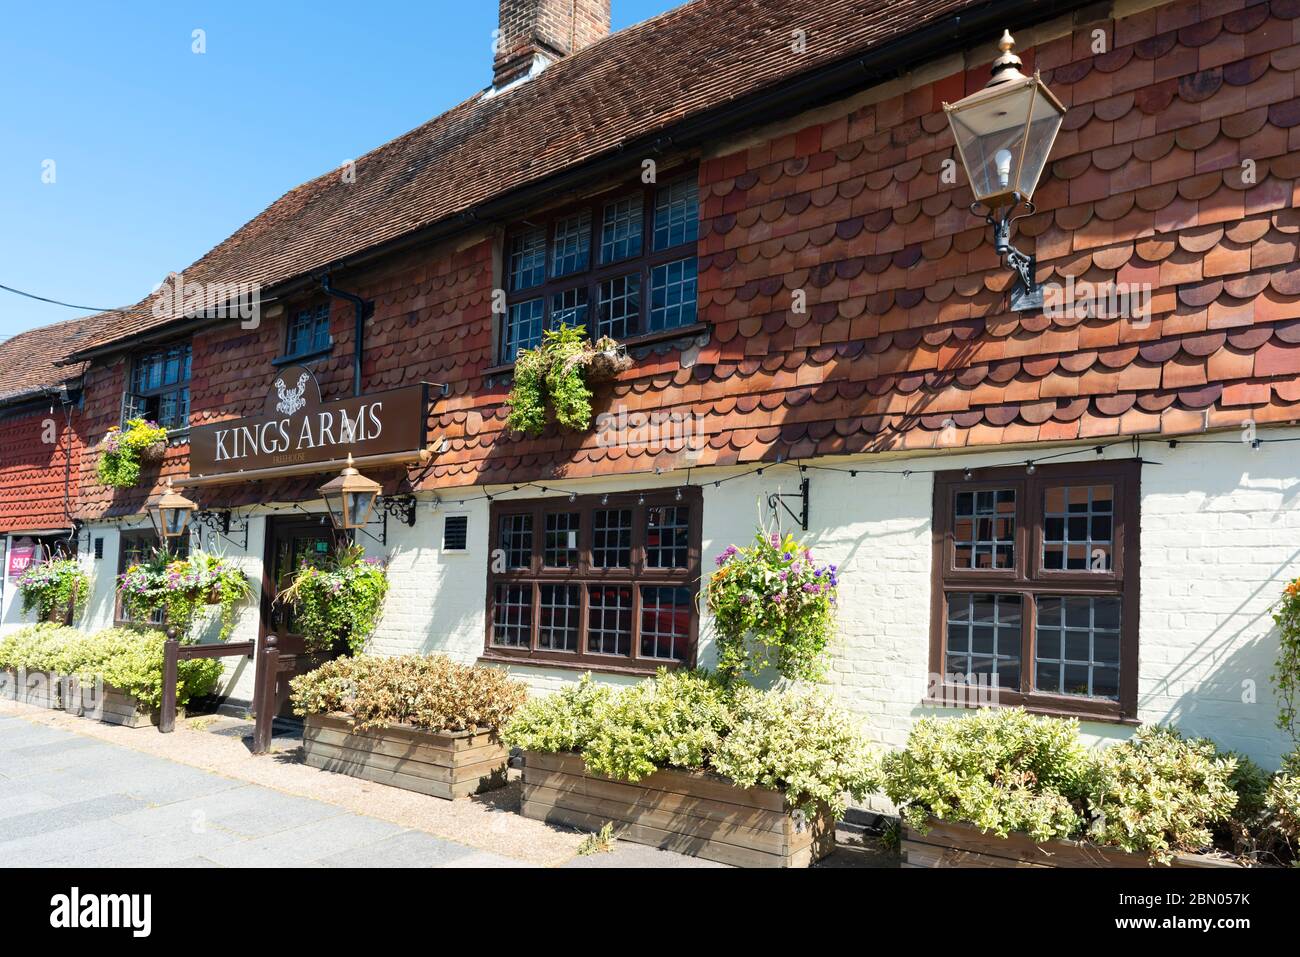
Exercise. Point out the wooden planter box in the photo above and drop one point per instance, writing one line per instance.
(37, 688)
(689, 812)
(949, 844)
(450, 765)
(112, 707)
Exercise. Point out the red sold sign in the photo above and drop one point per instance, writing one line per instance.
(20, 559)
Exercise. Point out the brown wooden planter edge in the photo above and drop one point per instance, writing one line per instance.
(62, 693)
(955, 844)
(693, 813)
(444, 764)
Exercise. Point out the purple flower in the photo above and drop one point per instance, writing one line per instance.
(776, 540)
(786, 556)
(809, 587)
(782, 576)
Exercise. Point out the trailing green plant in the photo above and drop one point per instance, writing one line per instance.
(559, 370)
(338, 597)
(57, 589)
(1160, 793)
(123, 450)
(127, 659)
(793, 742)
(1286, 670)
(772, 605)
(425, 691)
(1001, 770)
(142, 587)
(796, 742)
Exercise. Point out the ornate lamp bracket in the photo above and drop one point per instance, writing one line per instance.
(1027, 296)
(400, 507)
(218, 523)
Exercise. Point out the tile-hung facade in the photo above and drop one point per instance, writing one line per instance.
(803, 289)
(40, 450)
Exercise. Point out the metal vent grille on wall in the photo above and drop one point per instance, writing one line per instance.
(99, 548)
(455, 533)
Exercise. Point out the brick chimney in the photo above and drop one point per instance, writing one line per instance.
(534, 33)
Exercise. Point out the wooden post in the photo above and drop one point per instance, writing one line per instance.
(171, 655)
(264, 697)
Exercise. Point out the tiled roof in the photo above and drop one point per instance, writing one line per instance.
(907, 342)
(631, 85)
(27, 360)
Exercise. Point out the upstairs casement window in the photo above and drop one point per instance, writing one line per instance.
(158, 387)
(1036, 588)
(308, 331)
(606, 582)
(622, 265)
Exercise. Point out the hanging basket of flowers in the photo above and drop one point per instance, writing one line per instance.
(773, 607)
(338, 598)
(56, 589)
(124, 450)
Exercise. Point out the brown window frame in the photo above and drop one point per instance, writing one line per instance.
(133, 399)
(583, 574)
(1029, 579)
(643, 264)
(180, 548)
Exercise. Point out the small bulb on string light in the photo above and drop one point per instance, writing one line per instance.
(679, 493)
(966, 475)
(640, 499)
(573, 496)
(1030, 468)
(604, 500)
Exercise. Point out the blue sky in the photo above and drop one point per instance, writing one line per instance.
(159, 153)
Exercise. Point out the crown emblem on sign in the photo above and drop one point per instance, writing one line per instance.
(291, 400)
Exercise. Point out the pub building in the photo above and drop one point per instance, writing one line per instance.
(1008, 330)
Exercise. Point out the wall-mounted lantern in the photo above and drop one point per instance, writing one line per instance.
(1004, 134)
(350, 498)
(171, 514)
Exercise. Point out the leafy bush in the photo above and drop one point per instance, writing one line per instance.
(123, 450)
(772, 605)
(127, 659)
(338, 597)
(564, 721)
(1001, 770)
(1282, 802)
(56, 589)
(1159, 793)
(797, 743)
(673, 720)
(38, 647)
(425, 691)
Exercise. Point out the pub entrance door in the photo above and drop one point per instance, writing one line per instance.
(290, 542)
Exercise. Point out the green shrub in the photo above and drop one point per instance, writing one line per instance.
(1282, 803)
(794, 742)
(564, 721)
(127, 659)
(38, 647)
(672, 720)
(1159, 793)
(1001, 770)
(425, 691)
(799, 743)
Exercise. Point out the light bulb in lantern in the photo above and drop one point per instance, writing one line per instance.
(1003, 160)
